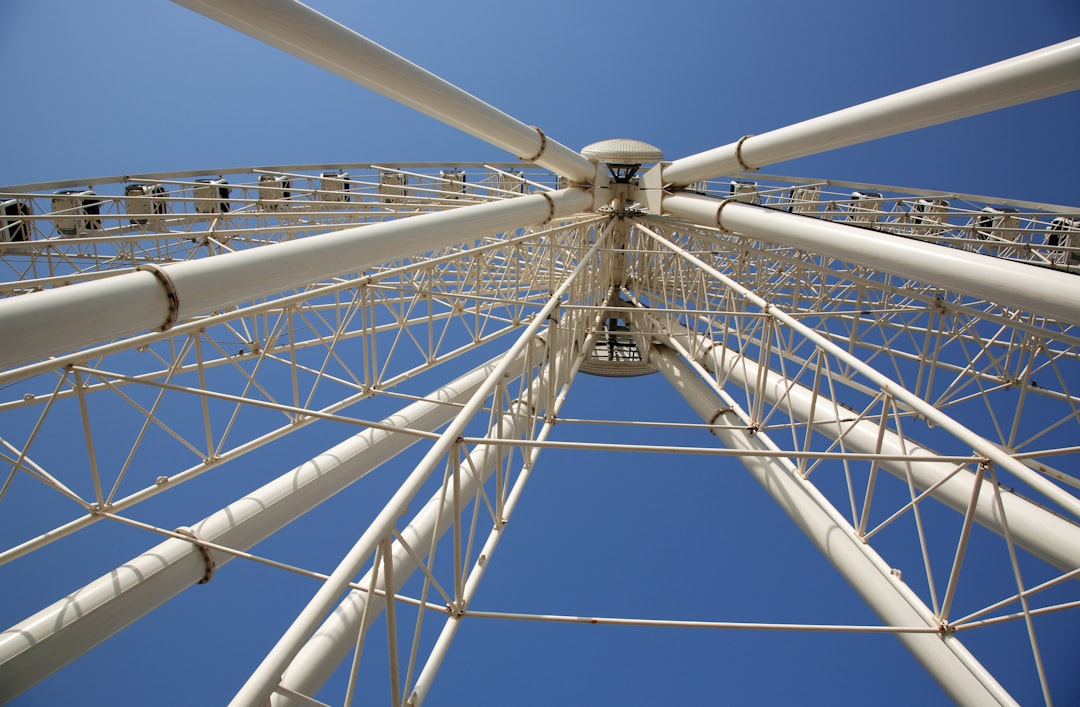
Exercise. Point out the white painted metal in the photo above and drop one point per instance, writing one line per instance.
(40, 324)
(50, 322)
(330, 644)
(1011, 284)
(1033, 527)
(267, 675)
(1039, 74)
(950, 664)
(309, 35)
(422, 685)
(54, 636)
(979, 444)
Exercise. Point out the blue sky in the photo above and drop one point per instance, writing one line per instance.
(121, 87)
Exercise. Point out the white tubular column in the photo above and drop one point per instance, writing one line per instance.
(47, 641)
(980, 445)
(40, 324)
(301, 31)
(1052, 293)
(267, 676)
(1028, 77)
(426, 678)
(1039, 531)
(330, 645)
(942, 655)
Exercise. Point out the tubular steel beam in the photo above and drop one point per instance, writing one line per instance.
(329, 646)
(942, 655)
(1052, 293)
(50, 639)
(301, 31)
(1038, 530)
(1039, 74)
(40, 324)
(267, 676)
(980, 445)
(425, 679)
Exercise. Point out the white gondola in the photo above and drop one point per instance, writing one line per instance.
(76, 211)
(211, 196)
(145, 203)
(334, 186)
(274, 191)
(393, 187)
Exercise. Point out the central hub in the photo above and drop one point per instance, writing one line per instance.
(622, 157)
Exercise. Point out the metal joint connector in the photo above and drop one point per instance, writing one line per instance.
(170, 292)
(207, 557)
(543, 146)
(738, 154)
(551, 208)
(719, 210)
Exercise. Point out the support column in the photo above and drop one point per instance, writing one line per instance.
(331, 643)
(1041, 532)
(1028, 77)
(942, 655)
(267, 676)
(56, 635)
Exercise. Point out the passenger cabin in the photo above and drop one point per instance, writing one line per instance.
(14, 222)
(274, 191)
(76, 212)
(334, 186)
(145, 204)
(393, 187)
(454, 182)
(211, 196)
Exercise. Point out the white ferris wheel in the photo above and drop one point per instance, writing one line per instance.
(335, 385)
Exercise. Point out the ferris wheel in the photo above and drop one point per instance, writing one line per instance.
(337, 390)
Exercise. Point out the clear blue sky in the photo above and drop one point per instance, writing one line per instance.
(128, 86)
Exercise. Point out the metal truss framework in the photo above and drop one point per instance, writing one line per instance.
(899, 422)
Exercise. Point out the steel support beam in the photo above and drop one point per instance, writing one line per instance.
(40, 324)
(426, 677)
(1039, 74)
(56, 635)
(942, 655)
(1052, 293)
(979, 444)
(301, 31)
(1041, 532)
(331, 643)
(267, 676)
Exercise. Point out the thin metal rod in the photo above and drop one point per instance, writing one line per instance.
(313, 37)
(1039, 74)
(723, 625)
(391, 622)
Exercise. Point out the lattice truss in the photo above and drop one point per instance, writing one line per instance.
(876, 389)
(928, 422)
(205, 392)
